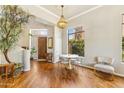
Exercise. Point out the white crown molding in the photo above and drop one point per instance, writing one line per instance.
(41, 13)
(46, 10)
(70, 18)
(85, 12)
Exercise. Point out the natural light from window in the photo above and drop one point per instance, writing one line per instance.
(76, 41)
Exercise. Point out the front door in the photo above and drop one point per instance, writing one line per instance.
(42, 47)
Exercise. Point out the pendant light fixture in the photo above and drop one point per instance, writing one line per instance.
(62, 23)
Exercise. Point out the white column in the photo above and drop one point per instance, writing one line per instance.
(65, 41)
(57, 44)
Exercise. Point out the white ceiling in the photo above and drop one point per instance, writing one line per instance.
(69, 10)
(51, 13)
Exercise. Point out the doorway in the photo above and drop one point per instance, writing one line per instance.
(42, 47)
(38, 42)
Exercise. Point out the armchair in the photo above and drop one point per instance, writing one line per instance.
(104, 64)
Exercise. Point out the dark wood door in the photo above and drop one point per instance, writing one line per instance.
(42, 47)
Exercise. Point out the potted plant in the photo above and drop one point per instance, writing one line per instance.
(12, 20)
(77, 47)
(33, 51)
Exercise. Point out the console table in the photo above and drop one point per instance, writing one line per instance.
(4, 66)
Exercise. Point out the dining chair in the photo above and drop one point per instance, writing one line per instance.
(75, 62)
(63, 61)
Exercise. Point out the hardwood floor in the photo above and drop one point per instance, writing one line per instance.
(48, 75)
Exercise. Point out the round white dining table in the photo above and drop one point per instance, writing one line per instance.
(69, 57)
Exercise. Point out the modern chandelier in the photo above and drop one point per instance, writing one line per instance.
(62, 23)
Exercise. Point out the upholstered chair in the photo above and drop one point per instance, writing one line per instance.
(104, 64)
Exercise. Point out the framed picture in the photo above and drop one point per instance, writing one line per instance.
(50, 42)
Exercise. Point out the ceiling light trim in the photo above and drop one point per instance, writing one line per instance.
(85, 12)
(49, 12)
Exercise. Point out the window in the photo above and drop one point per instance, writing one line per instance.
(76, 41)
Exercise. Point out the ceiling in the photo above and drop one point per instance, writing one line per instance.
(50, 14)
(69, 10)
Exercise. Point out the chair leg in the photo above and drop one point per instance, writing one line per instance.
(96, 73)
(59, 63)
(112, 77)
(94, 70)
(76, 66)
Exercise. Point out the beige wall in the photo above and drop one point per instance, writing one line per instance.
(24, 37)
(103, 34)
(15, 54)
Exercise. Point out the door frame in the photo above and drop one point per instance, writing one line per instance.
(31, 37)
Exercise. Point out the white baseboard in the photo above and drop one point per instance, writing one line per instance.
(41, 59)
(117, 74)
(55, 62)
(27, 69)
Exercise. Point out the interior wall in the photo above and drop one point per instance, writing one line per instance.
(24, 37)
(103, 34)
